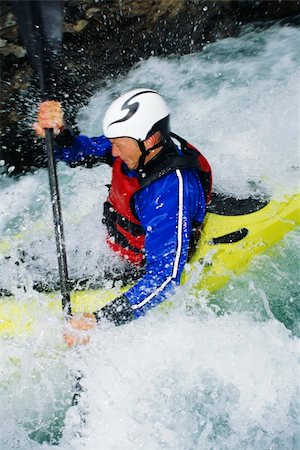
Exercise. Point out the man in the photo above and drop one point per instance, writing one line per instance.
(157, 199)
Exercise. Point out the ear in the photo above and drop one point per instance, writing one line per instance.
(152, 140)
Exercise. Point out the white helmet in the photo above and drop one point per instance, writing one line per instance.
(137, 114)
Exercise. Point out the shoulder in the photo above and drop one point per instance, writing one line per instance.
(171, 180)
(178, 182)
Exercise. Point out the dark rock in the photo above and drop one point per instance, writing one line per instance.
(104, 38)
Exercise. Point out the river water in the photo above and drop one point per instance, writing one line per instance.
(220, 374)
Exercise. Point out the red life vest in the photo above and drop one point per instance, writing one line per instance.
(126, 236)
(125, 233)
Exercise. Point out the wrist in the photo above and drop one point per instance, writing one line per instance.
(119, 311)
(65, 138)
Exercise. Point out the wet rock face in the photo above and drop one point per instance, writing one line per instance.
(104, 38)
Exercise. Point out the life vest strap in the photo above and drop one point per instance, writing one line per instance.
(203, 165)
(170, 164)
(112, 217)
(115, 223)
(118, 238)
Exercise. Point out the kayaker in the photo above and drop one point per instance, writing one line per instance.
(157, 198)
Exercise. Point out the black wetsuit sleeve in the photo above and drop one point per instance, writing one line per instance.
(64, 139)
(118, 311)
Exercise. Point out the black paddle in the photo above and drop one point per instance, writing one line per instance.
(40, 24)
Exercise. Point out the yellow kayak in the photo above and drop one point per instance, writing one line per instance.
(227, 245)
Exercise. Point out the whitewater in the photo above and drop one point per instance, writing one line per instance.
(216, 371)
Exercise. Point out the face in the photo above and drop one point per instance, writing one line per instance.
(128, 150)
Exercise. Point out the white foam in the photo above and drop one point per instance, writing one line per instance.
(188, 382)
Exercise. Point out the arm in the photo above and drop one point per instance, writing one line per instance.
(78, 150)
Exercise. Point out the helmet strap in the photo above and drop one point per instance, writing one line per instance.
(145, 152)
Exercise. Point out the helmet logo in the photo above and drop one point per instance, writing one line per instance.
(132, 108)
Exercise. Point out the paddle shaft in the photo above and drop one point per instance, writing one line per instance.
(58, 224)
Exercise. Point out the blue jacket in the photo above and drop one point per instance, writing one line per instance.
(167, 209)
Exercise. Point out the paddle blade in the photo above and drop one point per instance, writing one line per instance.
(40, 23)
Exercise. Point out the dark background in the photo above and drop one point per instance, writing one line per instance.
(105, 38)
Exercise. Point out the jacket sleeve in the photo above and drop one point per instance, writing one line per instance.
(82, 150)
